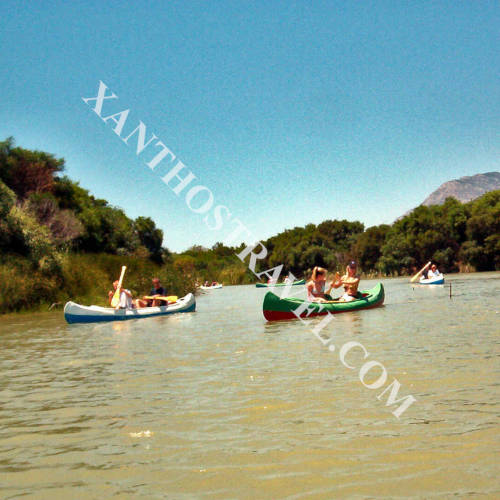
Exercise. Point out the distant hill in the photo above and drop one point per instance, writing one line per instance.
(464, 189)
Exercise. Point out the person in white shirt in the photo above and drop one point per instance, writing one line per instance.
(433, 272)
(126, 301)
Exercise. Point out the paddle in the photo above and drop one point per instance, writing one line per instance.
(420, 272)
(116, 297)
(169, 298)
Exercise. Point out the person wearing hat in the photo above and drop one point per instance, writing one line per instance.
(350, 282)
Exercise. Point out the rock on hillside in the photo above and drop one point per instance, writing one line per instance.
(465, 189)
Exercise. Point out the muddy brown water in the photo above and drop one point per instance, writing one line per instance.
(220, 404)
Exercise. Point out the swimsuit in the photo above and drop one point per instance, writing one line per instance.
(311, 295)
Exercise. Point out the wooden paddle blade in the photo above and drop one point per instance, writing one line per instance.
(116, 298)
(169, 298)
(420, 272)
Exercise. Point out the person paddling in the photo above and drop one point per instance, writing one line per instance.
(350, 282)
(433, 272)
(156, 291)
(126, 301)
(316, 286)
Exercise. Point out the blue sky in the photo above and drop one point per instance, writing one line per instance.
(290, 112)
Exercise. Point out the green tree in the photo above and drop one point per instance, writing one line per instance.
(149, 236)
(25, 171)
(367, 249)
(482, 249)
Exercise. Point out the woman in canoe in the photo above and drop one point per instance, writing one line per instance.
(350, 282)
(316, 286)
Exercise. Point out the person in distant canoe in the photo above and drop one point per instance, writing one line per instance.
(156, 291)
(433, 272)
(126, 301)
(316, 286)
(350, 282)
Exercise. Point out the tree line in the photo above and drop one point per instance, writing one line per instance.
(457, 236)
(47, 221)
(43, 212)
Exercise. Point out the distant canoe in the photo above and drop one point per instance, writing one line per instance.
(214, 287)
(76, 313)
(271, 285)
(275, 308)
(436, 280)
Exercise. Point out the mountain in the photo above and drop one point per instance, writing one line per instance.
(464, 189)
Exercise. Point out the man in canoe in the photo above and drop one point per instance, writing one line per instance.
(156, 291)
(350, 282)
(126, 301)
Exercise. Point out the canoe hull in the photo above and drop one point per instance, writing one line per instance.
(275, 309)
(76, 313)
(270, 285)
(210, 287)
(437, 280)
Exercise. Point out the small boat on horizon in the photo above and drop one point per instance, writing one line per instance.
(270, 285)
(211, 287)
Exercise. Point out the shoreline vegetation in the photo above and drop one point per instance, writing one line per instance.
(60, 243)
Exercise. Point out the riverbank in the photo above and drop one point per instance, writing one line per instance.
(84, 278)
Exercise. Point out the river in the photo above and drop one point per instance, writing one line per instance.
(220, 404)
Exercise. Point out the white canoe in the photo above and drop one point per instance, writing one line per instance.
(436, 280)
(211, 287)
(76, 313)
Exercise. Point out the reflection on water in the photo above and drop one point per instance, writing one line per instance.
(222, 404)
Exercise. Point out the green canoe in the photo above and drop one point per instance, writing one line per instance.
(275, 308)
(271, 285)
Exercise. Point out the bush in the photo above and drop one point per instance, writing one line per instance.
(85, 278)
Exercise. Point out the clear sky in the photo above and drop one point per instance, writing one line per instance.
(290, 112)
